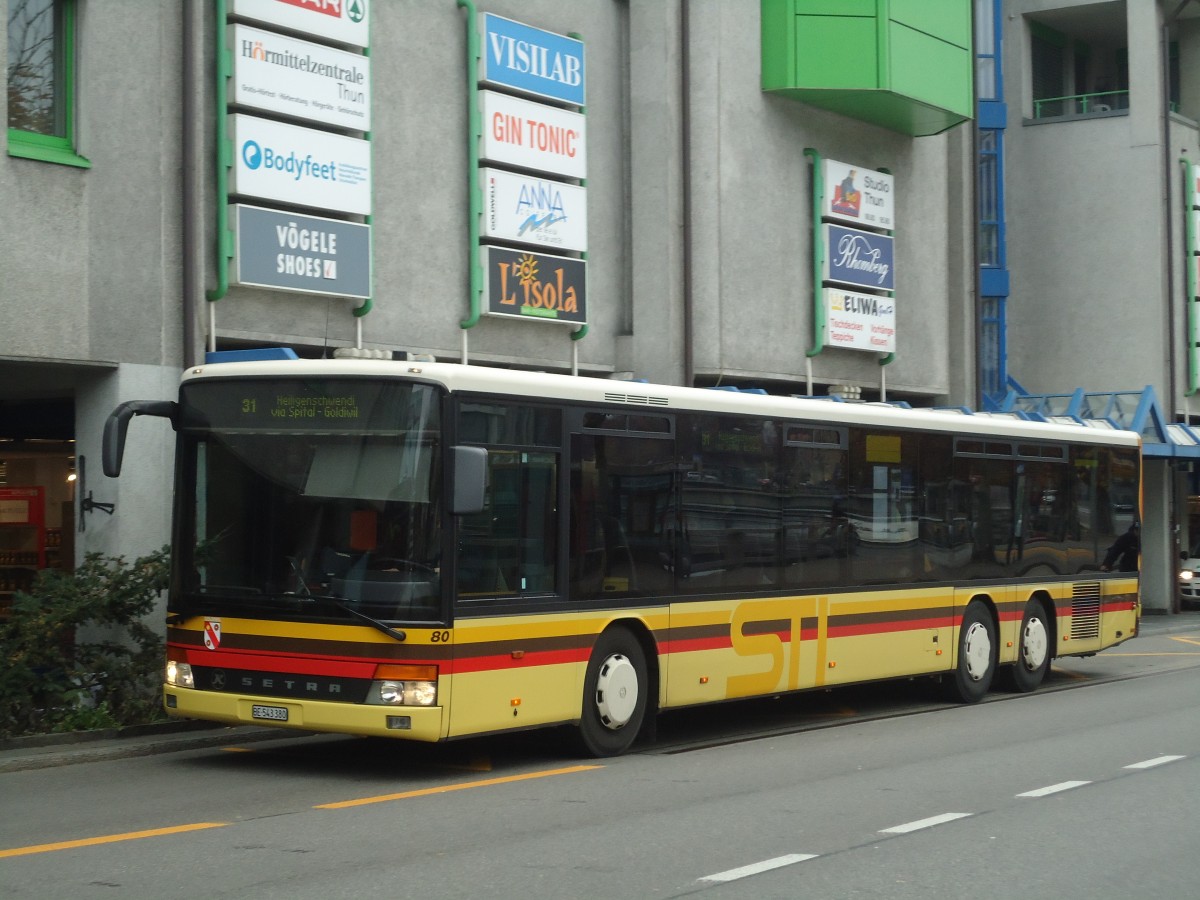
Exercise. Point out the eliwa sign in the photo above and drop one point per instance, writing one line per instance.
(859, 321)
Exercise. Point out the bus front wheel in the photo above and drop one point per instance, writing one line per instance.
(614, 699)
(976, 655)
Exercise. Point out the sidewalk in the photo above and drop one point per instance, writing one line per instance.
(48, 750)
(43, 751)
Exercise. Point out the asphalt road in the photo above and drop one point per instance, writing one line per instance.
(1085, 789)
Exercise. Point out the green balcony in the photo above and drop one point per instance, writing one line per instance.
(906, 65)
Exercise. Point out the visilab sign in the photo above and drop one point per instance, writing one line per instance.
(532, 60)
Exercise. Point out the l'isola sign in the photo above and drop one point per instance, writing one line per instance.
(535, 285)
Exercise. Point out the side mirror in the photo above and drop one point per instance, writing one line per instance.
(117, 424)
(470, 479)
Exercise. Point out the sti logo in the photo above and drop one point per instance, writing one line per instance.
(354, 10)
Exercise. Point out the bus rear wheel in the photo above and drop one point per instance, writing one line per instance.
(615, 694)
(976, 655)
(1033, 651)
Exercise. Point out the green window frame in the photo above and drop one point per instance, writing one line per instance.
(56, 143)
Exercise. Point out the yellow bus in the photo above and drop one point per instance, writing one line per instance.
(433, 550)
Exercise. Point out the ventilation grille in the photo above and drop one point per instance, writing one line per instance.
(1085, 610)
(633, 398)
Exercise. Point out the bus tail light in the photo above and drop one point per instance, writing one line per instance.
(403, 685)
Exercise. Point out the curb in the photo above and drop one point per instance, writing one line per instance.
(49, 751)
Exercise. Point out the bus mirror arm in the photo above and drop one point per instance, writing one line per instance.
(470, 480)
(117, 425)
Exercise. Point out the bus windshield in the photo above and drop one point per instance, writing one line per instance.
(314, 498)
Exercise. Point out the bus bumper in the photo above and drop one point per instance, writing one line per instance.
(413, 723)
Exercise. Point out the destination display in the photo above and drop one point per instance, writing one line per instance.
(311, 405)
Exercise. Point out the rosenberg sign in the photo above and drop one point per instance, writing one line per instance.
(344, 21)
(302, 166)
(531, 60)
(533, 136)
(534, 210)
(860, 258)
(859, 321)
(299, 78)
(861, 196)
(535, 286)
(306, 254)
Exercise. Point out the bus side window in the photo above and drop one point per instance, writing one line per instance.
(511, 546)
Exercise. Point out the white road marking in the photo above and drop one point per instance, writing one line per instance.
(755, 868)
(924, 823)
(1151, 763)
(1054, 788)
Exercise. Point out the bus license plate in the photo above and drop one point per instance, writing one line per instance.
(274, 713)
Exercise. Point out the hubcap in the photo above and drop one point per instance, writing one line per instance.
(1034, 644)
(616, 691)
(977, 651)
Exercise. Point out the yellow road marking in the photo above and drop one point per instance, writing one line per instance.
(1184, 640)
(461, 786)
(108, 839)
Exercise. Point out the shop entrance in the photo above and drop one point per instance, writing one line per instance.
(37, 490)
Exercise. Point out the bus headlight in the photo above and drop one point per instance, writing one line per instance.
(403, 693)
(1186, 575)
(402, 685)
(179, 674)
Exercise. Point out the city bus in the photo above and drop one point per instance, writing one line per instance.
(430, 551)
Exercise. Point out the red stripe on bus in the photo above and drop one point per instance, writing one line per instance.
(528, 660)
(295, 665)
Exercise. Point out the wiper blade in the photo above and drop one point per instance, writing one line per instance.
(373, 622)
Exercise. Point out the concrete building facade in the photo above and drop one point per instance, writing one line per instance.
(702, 263)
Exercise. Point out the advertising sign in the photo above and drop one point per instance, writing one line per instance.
(859, 321)
(860, 258)
(344, 21)
(287, 252)
(861, 196)
(534, 210)
(533, 135)
(299, 78)
(298, 165)
(535, 286)
(531, 60)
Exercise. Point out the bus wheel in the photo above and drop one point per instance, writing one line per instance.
(1033, 654)
(614, 700)
(976, 655)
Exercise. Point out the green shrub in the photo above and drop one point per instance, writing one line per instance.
(50, 681)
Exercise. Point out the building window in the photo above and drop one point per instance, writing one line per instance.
(989, 199)
(1048, 56)
(993, 365)
(987, 50)
(40, 79)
